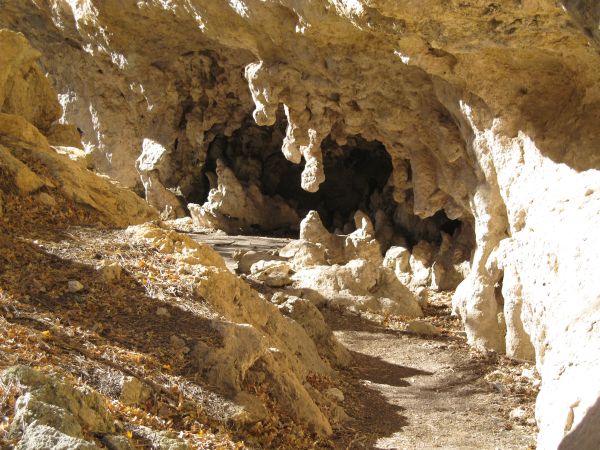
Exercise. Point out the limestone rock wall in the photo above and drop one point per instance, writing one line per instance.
(145, 104)
(494, 105)
(30, 168)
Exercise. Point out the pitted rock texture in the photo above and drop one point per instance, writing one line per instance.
(53, 414)
(489, 111)
(29, 165)
(259, 344)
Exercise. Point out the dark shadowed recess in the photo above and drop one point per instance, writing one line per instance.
(357, 178)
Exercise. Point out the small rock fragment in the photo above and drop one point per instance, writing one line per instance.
(339, 415)
(422, 296)
(246, 259)
(46, 199)
(272, 273)
(110, 271)
(335, 394)
(134, 392)
(423, 327)
(163, 312)
(74, 286)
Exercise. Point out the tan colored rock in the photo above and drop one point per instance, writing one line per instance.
(421, 260)
(256, 337)
(53, 413)
(75, 154)
(272, 273)
(186, 249)
(22, 177)
(246, 259)
(28, 107)
(347, 270)
(46, 199)
(110, 271)
(301, 253)
(335, 394)
(361, 243)
(312, 230)
(64, 135)
(75, 286)
(233, 207)
(397, 259)
(134, 392)
(157, 194)
(423, 327)
(252, 409)
(311, 319)
(358, 286)
(24, 89)
(489, 111)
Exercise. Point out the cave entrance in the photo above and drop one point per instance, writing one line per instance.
(357, 177)
(354, 173)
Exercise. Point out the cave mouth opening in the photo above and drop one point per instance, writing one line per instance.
(358, 176)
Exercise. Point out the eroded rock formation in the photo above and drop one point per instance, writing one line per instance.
(489, 112)
(260, 347)
(29, 166)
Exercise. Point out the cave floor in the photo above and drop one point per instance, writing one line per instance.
(405, 391)
(410, 392)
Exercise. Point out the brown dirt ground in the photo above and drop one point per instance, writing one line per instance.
(402, 391)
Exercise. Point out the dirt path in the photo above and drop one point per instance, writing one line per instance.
(409, 392)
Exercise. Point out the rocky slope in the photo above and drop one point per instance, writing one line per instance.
(256, 357)
(488, 111)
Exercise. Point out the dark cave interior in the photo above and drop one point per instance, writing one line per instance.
(357, 178)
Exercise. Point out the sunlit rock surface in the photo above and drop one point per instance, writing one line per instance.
(489, 112)
(29, 165)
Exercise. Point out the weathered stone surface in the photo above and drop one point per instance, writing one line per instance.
(28, 107)
(110, 271)
(272, 273)
(358, 285)
(306, 314)
(21, 177)
(43, 436)
(256, 337)
(24, 89)
(422, 327)
(182, 246)
(51, 413)
(64, 135)
(245, 260)
(347, 271)
(233, 207)
(488, 110)
(134, 392)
